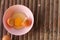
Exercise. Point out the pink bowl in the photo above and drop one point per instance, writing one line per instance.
(17, 8)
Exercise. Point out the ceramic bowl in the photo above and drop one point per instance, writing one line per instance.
(17, 8)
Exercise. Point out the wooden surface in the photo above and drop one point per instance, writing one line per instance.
(46, 19)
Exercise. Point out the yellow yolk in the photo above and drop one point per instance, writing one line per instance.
(18, 22)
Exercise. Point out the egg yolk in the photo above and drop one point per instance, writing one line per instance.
(18, 22)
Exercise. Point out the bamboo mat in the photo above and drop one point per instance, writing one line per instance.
(46, 19)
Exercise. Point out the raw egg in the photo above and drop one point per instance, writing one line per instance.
(16, 20)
